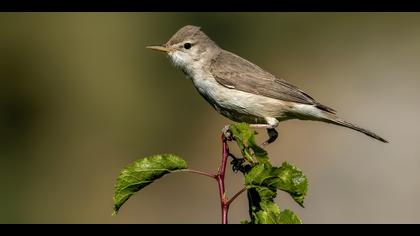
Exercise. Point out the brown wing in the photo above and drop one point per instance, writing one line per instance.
(235, 72)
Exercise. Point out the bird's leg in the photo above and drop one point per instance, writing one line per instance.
(272, 133)
(271, 125)
(272, 136)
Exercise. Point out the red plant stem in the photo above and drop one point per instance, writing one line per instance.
(220, 177)
(199, 172)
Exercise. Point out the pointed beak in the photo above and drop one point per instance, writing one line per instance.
(160, 48)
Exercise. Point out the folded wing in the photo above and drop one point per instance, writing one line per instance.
(235, 72)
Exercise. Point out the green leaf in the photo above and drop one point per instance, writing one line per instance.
(265, 193)
(262, 182)
(143, 172)
(257, 175)
(245, 138)
(241, 134)
(288, 217)
(261, 176)
(245, 222)
(270, 214)
(291, 180)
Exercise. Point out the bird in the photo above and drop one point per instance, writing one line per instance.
(242, 91)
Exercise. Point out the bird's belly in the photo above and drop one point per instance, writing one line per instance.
(242, 106)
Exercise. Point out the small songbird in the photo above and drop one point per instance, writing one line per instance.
(242, 91)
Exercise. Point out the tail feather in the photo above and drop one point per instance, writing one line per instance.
(335, 120)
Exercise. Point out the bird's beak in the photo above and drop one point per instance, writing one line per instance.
(160, 48)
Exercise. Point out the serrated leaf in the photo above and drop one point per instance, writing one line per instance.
(289, 217)
(291, 180)
(264, 175)
(245, 138)
(266, 193)
(262, 182)
(269, 213)
(257, 175)
(143, 172)
(241, 133)
(260, 154)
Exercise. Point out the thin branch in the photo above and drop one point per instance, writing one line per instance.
(221, 180)
(236, 195)
(199, 172)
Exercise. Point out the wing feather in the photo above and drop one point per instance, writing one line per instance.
(235, 72)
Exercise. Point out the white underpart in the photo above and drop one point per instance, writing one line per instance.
(226, 99)
(229, 102)
(308, 110)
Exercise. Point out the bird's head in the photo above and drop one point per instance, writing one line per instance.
(189, 48)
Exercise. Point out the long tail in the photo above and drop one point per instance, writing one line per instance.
(331, 118)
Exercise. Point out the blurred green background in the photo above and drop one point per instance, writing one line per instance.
(81, 97)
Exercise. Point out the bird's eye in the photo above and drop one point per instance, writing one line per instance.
(187, 45)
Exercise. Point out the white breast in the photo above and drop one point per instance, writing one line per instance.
(226, 100)
(234, 104)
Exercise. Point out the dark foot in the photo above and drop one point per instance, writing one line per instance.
(272, 136)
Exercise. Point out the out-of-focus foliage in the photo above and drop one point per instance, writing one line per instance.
(81, 96)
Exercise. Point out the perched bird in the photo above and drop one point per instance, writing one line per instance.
(242, 91)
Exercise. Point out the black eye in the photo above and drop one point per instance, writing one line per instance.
(187, 45)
